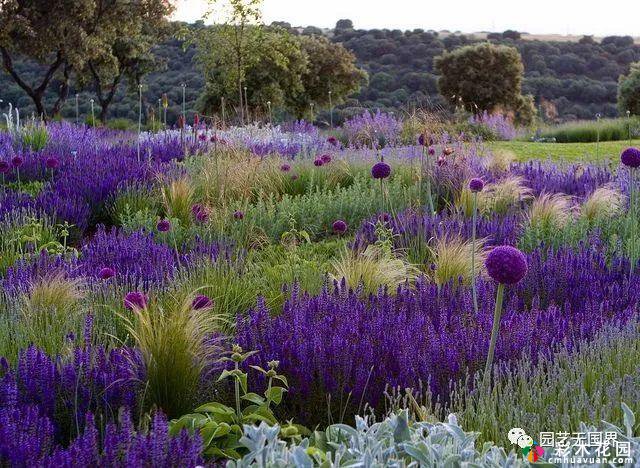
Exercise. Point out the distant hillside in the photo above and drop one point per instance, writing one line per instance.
(577, 75)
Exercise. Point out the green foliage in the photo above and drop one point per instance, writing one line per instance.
(591, 131)
(629, 91)
(221, 426)
(129, 202)
(594, 379)
(34, 136)
(482, 77)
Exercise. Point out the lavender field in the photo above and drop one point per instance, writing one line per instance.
(288, 296)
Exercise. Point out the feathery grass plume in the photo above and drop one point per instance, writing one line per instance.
(604, 202)
(231, 174)
(503, 195)
(452, 260)
(51, 311)
(372, 269)
(177, 199)
(176, 343)
(550, 211)
(499, 160)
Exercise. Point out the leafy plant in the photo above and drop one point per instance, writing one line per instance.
(221, 427)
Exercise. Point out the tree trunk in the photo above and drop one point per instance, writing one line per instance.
(63, 91)
(36, 94)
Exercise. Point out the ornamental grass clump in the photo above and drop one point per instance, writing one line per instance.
(50, 311)
(499, 160)
(506, 265)
(504, 195)
(371, 270)
(603, 203)
(175, 340)
(177, 199)
(550, 211)
(453, 260)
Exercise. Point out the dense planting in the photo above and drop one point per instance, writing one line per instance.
(202, 294)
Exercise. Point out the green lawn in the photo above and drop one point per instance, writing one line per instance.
(570, 152)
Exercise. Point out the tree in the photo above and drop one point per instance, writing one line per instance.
(130, 57)
(271, 72)
(483, 77)
(331, 68)
(63, 35)
(629, 91)
(231, 45)
(344, 24)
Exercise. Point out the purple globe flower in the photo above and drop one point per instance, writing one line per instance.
(422, 140)
(201, 302)
(106, 273)
(631, 157)
(202, 216)
(135, 300)
(339, 226)
(506, 264)
(4, 167)
(432, 151)
(318, 162)
(381, 170)
(52, 163)
(332, 141)
(285, 168)
(238, 215)
(197, 208)
(326, 159)
(476, 185)
(17, 161)
(294, 176)
(164, 225)
(384, 217)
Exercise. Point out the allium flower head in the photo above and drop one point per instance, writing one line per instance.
(164, 225)
(326, 159)
(339, 226)
(476, 185)
(285, 167)
(238, 214)
(380, 170)
(631, 157)
(384, 217)
(106, 273)
(442, 161)
(4, 167)
(318, 162)
(431, 151)
(332, 141)
(294, 176)
(202, 302)
(202, 216)
(135, 300)
(52, 163)
(506, 264)
(197, 208)
(17, 161)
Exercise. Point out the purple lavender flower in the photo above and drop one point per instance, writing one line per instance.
(339, 226)
(476, 185)
(106, 272)
(631, 157)
(164, 225)
(506, 264)
(380, 170)
(135, 300)
(202, 302)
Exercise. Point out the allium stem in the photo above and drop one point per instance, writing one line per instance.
(473, 253)
(494, 334)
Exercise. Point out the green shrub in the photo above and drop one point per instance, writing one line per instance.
(586, 131)
(121, 124)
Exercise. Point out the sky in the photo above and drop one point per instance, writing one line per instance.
(574, 17)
